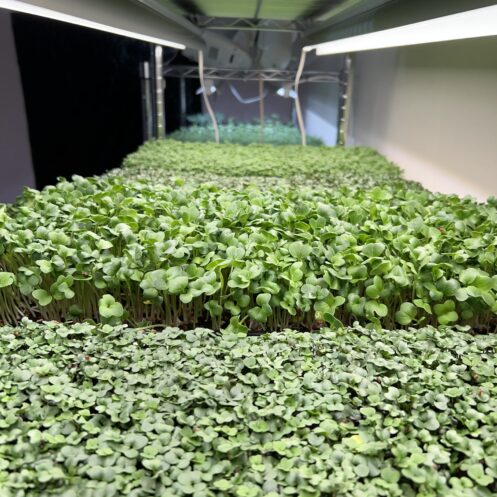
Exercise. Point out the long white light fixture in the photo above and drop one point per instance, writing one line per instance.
(475, 23)
(26, 8)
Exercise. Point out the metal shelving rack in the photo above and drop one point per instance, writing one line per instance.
(266, 75)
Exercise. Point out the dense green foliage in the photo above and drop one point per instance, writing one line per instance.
(201, 162)
(244, 240)
(274, 133)
(270, 259)
(107, 412)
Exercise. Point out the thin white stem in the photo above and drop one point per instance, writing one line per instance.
(206, 97)
(298, 108)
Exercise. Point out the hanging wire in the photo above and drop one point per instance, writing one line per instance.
(206, 97)
(246, 101)
(298, 109)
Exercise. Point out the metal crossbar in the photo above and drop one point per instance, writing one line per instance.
(246, 24)
(283, 76)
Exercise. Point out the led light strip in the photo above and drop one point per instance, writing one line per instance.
(475, 23)
(17, 6)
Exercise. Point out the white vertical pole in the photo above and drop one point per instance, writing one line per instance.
(147, 110)
(159, 96)
(206, 97)
(346, 101)
(261, 108)
(298, 108)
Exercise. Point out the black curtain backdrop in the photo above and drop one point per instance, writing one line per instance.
(83, 96)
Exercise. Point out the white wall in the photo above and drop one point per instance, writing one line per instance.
(16, 170)
(432, 109)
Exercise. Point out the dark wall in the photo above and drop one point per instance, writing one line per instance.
(16, 171)
(82, 94)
